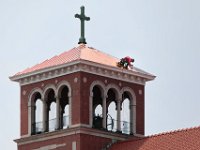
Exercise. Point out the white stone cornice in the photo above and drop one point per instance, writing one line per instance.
(53, 146)
(84, 66)
(68, 132)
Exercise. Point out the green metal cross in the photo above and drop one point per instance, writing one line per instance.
(83, 18)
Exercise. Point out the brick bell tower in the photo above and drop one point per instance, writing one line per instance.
(82, 99)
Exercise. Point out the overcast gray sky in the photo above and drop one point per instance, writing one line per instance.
(163, 36)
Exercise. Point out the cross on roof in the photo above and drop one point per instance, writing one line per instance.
(82, 18)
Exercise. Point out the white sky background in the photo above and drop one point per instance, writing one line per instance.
(163, 36)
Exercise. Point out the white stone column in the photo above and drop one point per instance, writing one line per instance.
(104, 111)
(58, 116)
(45, 116)
(31, 119)
(118, 115)
(91, 109)
(70, 111)
(132, 119)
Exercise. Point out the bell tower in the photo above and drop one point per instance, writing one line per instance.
(81, 99)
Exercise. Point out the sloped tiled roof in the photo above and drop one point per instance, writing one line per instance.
(186, 139)
(77, 53)
(82, 52)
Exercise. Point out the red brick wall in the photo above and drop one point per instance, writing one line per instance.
(85, 91)
(23, 113)
(80, 98)
(83, 142)
(89, 142)
(67, 140)
(28, 88)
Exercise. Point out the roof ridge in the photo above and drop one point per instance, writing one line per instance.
(79, 48)
(102, 52)
(159, 134)
(173, 131)
(79, 52)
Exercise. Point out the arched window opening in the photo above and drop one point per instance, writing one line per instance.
(112, 110)
(125, 116)
(64, 106)
(97, 111)
(38, 116)
(52, 117)
(128, 123)
(111, 117)
(36, 125)
(51, 111)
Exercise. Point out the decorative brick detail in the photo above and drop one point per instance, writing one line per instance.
(80, 109)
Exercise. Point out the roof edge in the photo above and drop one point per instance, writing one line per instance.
(159, 134)
(140, 77)
(173, 131)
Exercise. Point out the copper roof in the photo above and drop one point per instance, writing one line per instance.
(82, 52)
(186, 139)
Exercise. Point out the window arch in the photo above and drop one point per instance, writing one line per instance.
(54, 105)
(34, 105)
(64, 112)
(96, 88)
(50, 110)
(113, 108)
(115, 88)
(64, 97)
(97, 100)
(129, 95)
(112, 116)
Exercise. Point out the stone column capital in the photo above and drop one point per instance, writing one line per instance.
(56, 96)
(118, 101)
(105, 96)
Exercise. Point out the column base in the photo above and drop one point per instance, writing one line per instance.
(118, 131)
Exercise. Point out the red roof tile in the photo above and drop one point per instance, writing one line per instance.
(82, 52)
(186, 139)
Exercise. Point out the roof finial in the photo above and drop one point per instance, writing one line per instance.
(83, 18)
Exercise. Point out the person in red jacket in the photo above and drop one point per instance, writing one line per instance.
(126, 62)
